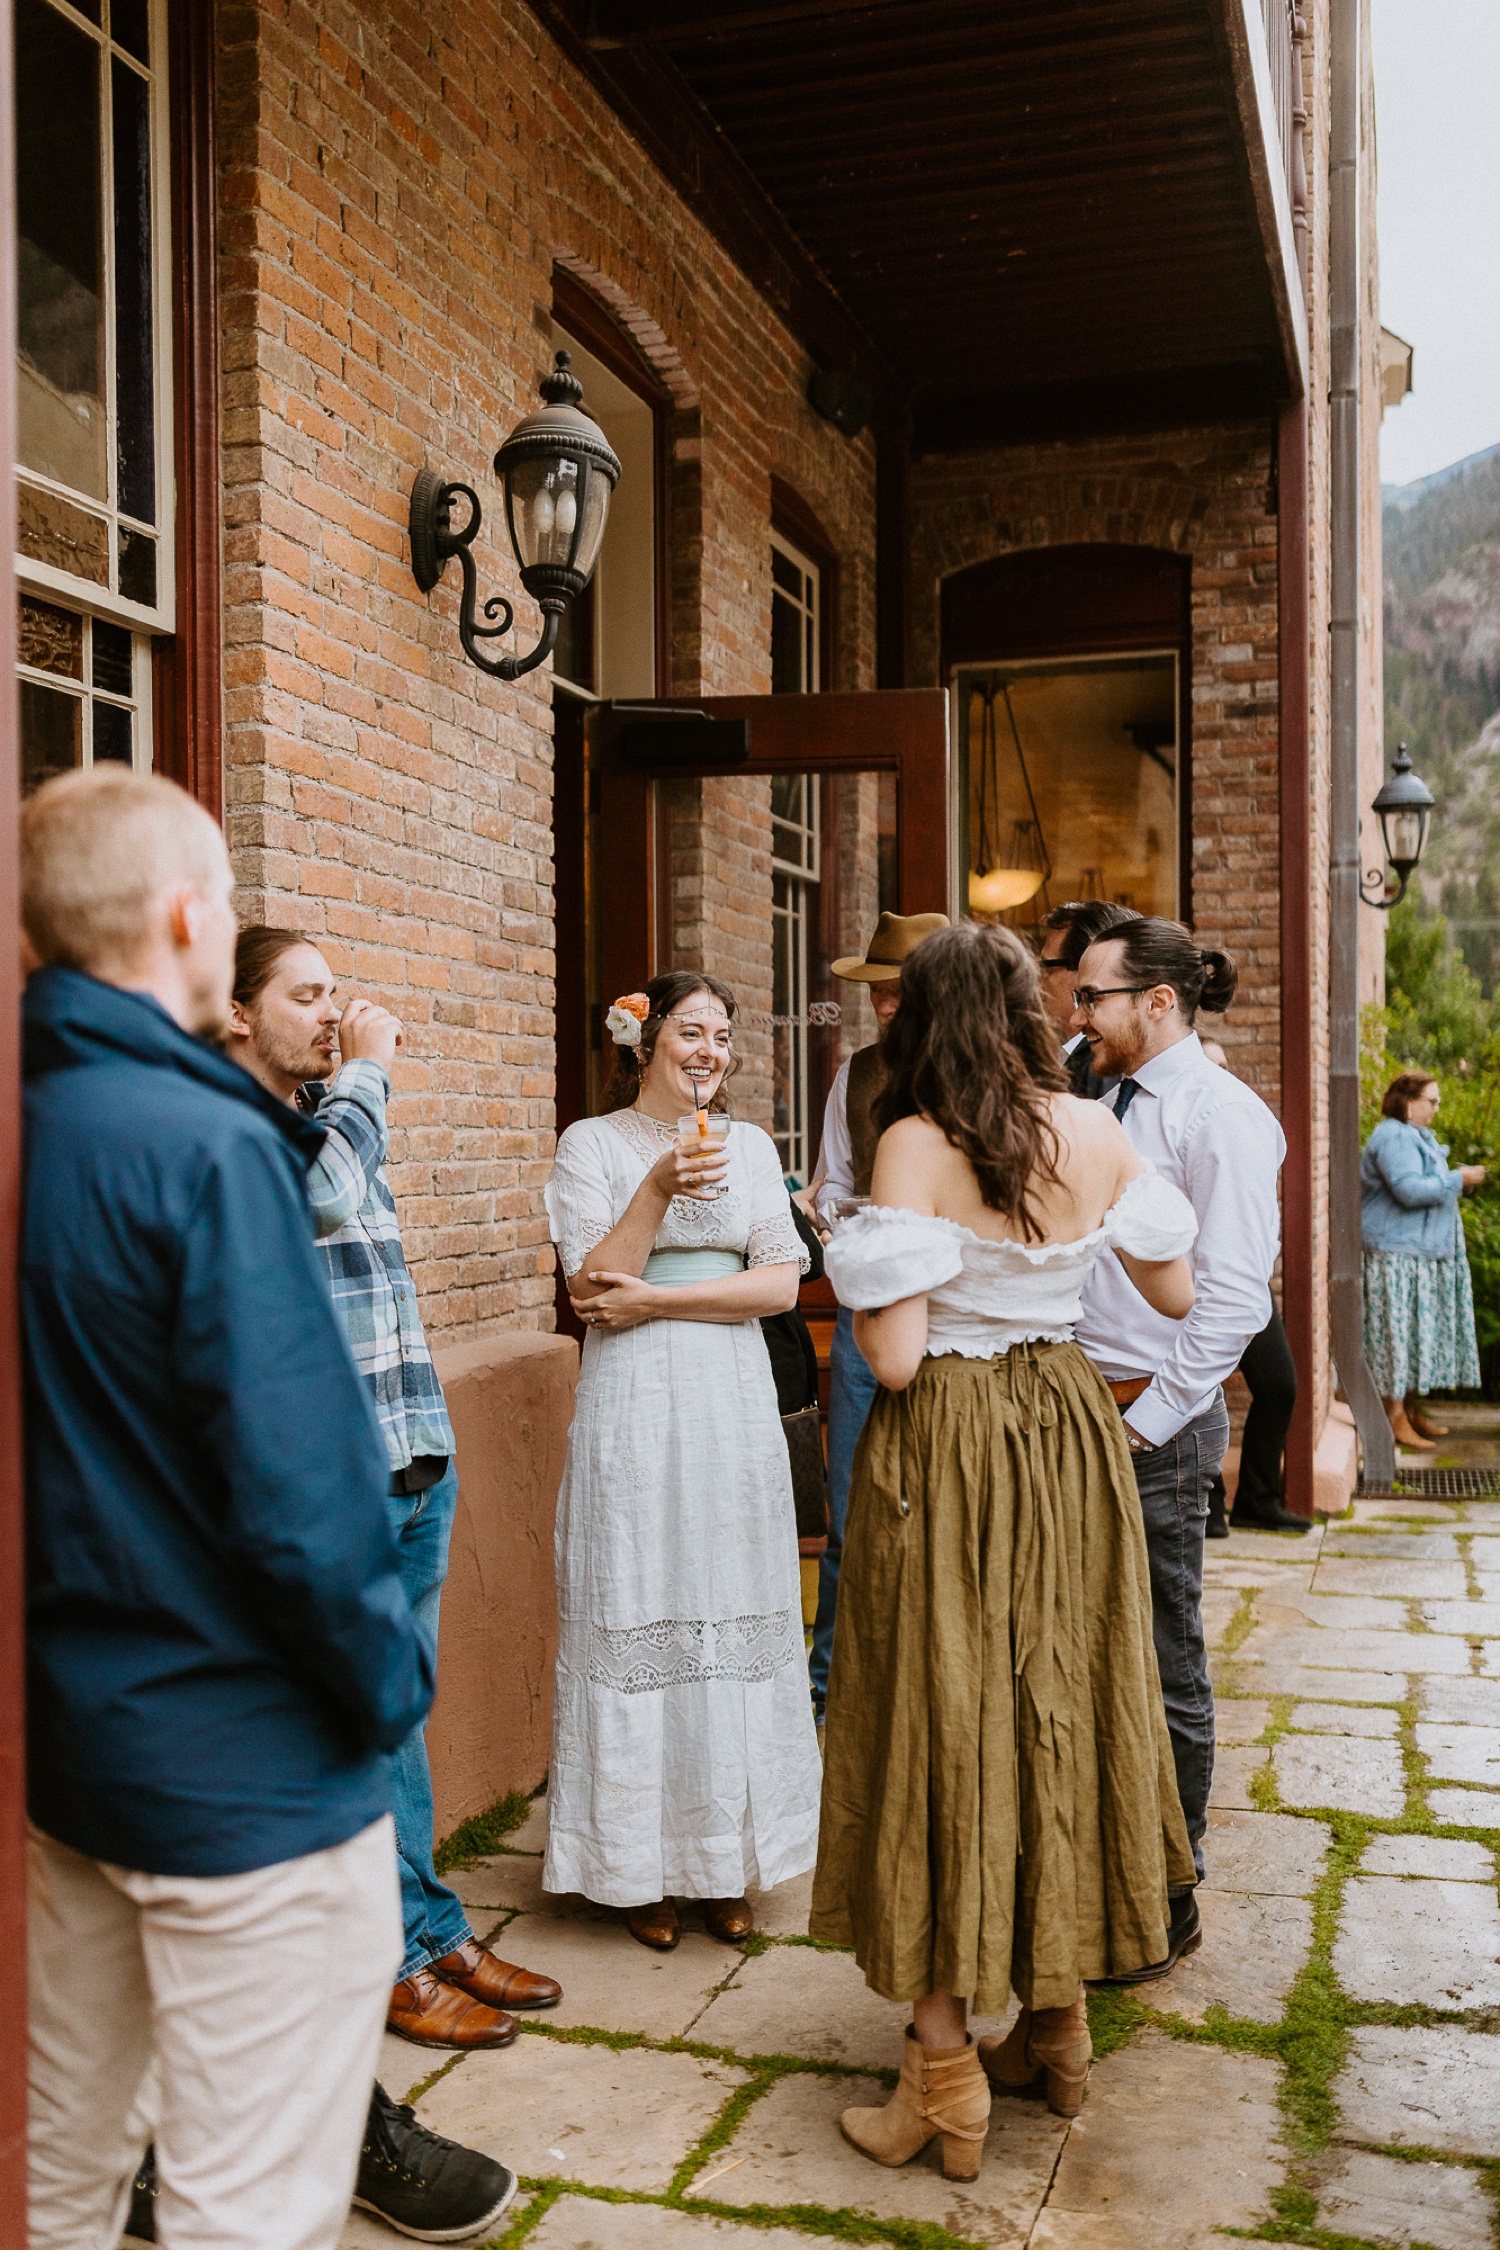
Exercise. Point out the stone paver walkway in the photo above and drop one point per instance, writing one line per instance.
(1326, 2070)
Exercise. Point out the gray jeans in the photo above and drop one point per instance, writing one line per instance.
(1173, 1481)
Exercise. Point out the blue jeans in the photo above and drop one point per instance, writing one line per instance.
(851, 1394)
(433, 1920)
(1173, 1481)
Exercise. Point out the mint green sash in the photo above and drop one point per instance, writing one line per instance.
(679, 1269)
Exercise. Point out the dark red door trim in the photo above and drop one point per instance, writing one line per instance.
(1296, 940)
(902, 729)
(12, 1676)
(186, 671)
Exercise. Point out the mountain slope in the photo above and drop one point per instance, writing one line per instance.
(1442, 684)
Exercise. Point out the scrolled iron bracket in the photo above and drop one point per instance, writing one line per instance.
(1385, 898)
(435, 541)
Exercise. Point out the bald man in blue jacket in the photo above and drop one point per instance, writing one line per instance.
(220, 1655)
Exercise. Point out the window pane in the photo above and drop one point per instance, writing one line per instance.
(135, 435)
(137, 567)
(130, 25)
(51, 733)
(51, 639)
(51, 530)
(109, 660)
(60, 324)
(786, 646)
(784, 573)
(113, 727)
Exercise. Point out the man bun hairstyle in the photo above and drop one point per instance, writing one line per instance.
(1083, 921)
(1403, 1091)
(1155, 951)
(256, 953)
(665, 993)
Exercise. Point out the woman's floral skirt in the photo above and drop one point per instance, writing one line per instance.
(1419, 1323)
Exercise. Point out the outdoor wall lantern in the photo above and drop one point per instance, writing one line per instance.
(559, 471)
(1404, 806)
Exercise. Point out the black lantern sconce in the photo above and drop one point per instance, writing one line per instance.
(559, 472)
(1404, 805)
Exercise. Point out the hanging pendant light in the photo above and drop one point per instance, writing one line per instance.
(1001, 878)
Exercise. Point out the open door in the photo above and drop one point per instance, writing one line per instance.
(758, 838)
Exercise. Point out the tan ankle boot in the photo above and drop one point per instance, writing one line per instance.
(1051, 2040)
(942, 2090)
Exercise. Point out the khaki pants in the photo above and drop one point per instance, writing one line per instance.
(235, 2019)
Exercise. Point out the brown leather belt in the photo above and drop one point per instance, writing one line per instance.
(1126, 1394)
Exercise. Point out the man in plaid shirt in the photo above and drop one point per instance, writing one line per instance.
(292, 1032)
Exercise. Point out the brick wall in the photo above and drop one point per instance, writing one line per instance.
(1204, 493)
(395, 187)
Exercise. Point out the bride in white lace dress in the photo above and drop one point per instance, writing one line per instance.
(684, 1755)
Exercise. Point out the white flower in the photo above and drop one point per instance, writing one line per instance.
(623, 1026)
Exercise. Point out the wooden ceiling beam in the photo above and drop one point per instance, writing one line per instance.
(966, 421)
(626, 23)
(696, 158)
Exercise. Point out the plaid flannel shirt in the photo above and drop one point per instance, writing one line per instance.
(354, 1214)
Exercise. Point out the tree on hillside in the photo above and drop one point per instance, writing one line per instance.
(1438, 1017)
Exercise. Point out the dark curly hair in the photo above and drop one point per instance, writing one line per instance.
(972, 1048)
(664, 993)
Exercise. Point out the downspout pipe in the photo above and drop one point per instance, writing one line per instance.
(1344, 1249)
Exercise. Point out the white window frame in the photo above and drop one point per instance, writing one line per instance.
(46, 579)
(811, 612)
(82, 690)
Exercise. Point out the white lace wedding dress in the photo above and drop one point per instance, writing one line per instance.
(684, 1756)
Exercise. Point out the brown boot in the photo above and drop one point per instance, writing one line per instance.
(942, 2090)
(1421, 1421)
(499, 1984)
(1051, 2040)
(728, 1919)
(439, 2015)
(656, 1925)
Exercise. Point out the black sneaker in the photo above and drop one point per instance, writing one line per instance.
(140, 2226)
(422, 2185)
(1184, 1935)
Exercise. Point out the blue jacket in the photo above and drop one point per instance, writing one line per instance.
(220, 1654)
(1408, 1195)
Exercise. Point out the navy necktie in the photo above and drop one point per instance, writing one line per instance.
(1129, 1088)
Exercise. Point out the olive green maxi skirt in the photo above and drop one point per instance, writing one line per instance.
(999, 1807)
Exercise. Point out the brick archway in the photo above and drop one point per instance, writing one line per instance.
(1204, 494)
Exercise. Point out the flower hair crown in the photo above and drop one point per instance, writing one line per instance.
(625, 1018)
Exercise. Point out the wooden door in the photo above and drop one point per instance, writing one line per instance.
(758, 838)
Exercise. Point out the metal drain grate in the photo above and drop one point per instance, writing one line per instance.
(1437, 1484)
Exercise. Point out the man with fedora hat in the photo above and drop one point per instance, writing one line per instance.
(846, 1161)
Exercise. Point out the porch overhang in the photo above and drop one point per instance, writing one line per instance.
(1010, 221)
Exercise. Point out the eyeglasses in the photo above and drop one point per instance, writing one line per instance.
(1086, 998)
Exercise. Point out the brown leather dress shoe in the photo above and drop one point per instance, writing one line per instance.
(439, 2015)
(499, 1984)
(655, 1925)
(728, 1919)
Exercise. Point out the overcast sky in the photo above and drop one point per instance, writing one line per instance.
(1437, 110)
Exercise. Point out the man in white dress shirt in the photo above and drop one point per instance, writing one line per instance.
(1067, 933)
(1138, 991)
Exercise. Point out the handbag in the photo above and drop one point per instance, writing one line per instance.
(804, 1445)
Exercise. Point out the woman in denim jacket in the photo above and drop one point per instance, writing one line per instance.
(1419, 1305)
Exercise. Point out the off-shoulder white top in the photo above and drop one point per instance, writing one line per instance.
(984, 1296)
